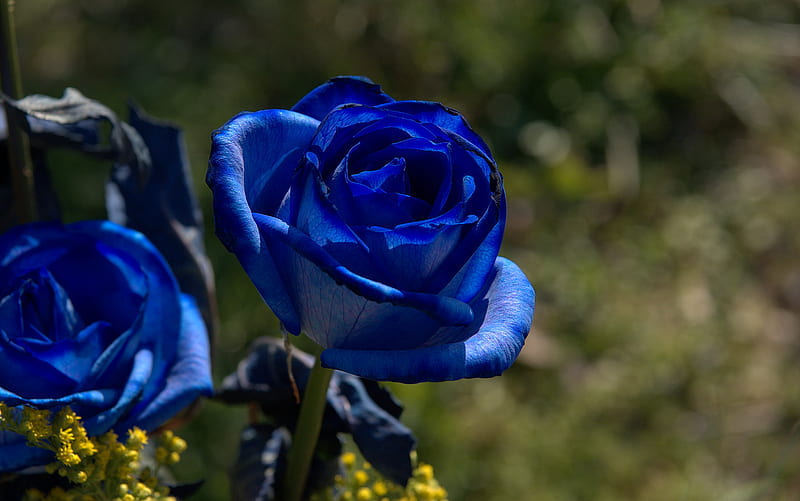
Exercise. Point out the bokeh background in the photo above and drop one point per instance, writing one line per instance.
(650, 153)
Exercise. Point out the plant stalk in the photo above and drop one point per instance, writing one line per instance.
(19, 151)
(309, 423)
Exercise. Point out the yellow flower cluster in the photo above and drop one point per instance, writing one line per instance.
(364, 483)
(99, 468)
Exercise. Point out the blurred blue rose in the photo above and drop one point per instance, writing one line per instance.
(373, 225)
(91, 317)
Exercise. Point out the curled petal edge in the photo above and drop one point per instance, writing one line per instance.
(446, 310)
(487, 353)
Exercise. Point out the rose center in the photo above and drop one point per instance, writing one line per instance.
(47, 312)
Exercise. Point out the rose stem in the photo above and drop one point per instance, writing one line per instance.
(18, 143)
(309, 422)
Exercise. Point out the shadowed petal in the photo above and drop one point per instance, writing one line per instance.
(487, 352)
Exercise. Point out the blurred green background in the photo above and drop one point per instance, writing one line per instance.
(650, 152)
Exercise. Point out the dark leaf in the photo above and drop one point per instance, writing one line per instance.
(76, 121)
(262, 452)
(261, 464)
(383, 440)
(165, 208)
(262, 377)
(360, 407)
(72, 121)
(383, 397)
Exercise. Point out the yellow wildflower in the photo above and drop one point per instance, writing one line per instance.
(348, 459)
(361, 477)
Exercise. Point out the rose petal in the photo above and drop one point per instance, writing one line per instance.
(140, 374)
(94, 399)
(338, 91)
(308, 208)
(347, 126)
(16, 360)
(390, 178)
(410, 255)
(63, 320)
(21, 251)
(63, 251)
(445, 118)
(490, 348)
(360, 205)
(70, 356)
(15, 453)
(188, 378)
(447, 311)
(115, 277)
(463, 274)
(162, 289)
(243, 169)
(427, 168)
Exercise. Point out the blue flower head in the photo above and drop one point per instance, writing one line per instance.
(373, 225)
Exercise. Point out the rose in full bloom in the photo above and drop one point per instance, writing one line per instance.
(92, 317)
(373, 225)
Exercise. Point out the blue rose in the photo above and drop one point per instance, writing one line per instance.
(373, 225)
(91, 317)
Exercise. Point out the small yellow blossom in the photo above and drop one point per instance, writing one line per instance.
(136, 439)
(178, 444)
(94, 465)
(361, 477)
(348, 459)
(425, 472)
(366, 484)
(380, 488)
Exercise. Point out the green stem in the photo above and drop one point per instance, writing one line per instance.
(19, 151)
(304, 440)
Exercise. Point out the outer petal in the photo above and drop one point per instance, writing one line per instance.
(253, 158)
(338, 91)
(188, 378)
(488, 350)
